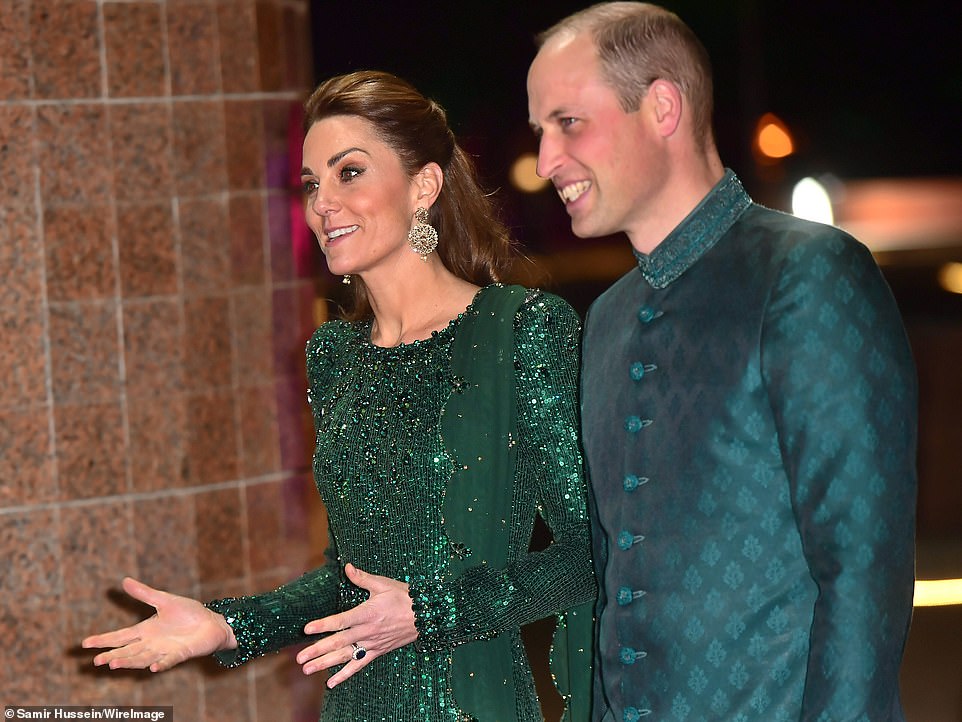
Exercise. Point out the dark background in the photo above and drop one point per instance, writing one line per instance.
(868, 89)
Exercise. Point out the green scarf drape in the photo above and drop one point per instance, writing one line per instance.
(480, 432)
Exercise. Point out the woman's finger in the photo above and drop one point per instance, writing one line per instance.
(351, 668)
(337, 657)
(327, 645)
(336, 622)
(143, 592)
(116, 638)
(139, 660)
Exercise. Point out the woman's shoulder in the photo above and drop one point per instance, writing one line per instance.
(538, 318)
(547, 329)
(329, 338)
(530, 303)
(544, 308)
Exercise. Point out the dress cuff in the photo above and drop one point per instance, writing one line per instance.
(435, 614)
(248, 631)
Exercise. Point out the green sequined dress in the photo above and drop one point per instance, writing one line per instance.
(382, 465)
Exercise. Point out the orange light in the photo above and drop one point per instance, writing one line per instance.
(950, 277)
(524, 174)
(772, 137)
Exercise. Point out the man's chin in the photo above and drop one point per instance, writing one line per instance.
(583, 228)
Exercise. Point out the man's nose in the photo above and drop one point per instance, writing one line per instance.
(548, 155)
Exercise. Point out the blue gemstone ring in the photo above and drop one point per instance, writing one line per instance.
(359, 652)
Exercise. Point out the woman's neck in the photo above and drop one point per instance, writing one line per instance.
(411, 307)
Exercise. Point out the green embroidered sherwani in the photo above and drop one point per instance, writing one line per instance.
(749, 414)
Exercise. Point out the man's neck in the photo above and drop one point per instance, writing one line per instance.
(683, 192)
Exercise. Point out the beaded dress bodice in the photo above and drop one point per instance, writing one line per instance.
(382, 469)
(380, 461)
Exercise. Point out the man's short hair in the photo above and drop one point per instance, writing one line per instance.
(639, 43)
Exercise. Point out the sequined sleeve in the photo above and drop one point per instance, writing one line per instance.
(268, 622)
(841, 381)
(484, 602)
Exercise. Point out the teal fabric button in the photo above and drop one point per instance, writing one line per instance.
(634, 424)
(629, 656)
(626, 595)
(626, 540)
(632, 482)
(646, 314)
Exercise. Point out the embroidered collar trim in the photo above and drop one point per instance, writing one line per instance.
(700, 230)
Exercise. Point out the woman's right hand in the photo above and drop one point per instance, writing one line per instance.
(182, 629)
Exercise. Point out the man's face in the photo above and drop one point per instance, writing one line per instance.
(605, 164)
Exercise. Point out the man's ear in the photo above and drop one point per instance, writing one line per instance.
(427, 184)
(667, 104)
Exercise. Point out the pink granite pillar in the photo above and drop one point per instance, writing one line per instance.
(152, 415)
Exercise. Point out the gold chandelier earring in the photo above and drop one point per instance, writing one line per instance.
(423, 237)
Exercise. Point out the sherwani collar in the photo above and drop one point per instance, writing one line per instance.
(698, 232)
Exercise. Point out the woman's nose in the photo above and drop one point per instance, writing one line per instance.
(322, 205)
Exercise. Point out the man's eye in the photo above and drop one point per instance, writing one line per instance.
(567, 122)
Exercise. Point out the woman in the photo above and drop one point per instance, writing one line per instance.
(445, 414)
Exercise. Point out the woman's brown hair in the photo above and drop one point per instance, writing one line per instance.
(474, 244)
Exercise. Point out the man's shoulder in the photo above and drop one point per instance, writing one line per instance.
(767, 238)
(786, 231)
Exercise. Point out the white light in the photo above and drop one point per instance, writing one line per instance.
(811, 201)
(937, 592)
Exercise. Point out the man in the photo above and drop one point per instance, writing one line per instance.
(749, 406)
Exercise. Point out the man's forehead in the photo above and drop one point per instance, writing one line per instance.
(564, 55)
(567, 45)
(561, 76)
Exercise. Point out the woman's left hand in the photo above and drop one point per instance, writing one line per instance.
(381, 624)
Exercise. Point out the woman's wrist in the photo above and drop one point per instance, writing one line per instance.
(229, 640)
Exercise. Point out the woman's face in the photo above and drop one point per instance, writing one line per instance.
(359, 200)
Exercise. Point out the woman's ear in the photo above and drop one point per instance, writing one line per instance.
(427, 184)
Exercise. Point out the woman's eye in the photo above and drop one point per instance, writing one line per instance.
(350, 172)
(309, 186)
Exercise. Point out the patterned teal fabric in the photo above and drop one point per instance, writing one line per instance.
(749, 407)
(383, 466)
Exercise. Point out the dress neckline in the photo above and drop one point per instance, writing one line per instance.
(364, 328)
